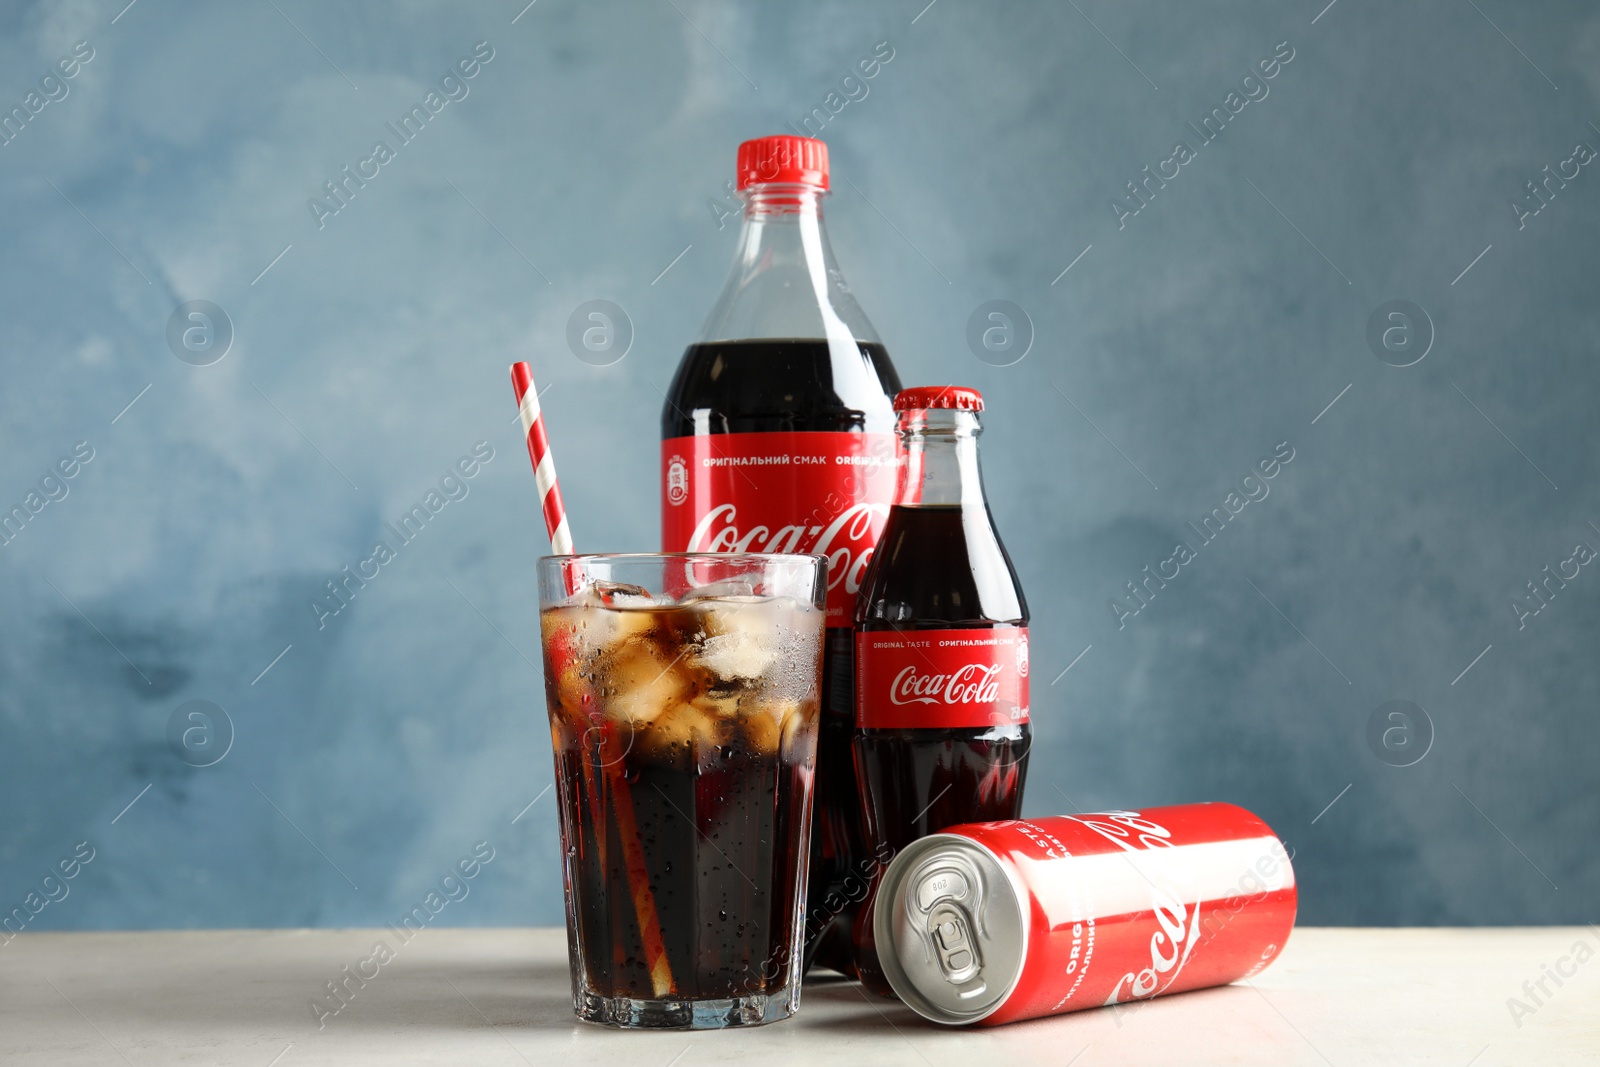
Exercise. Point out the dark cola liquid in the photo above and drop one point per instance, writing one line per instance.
(695, 790)
(937, 567)
(766, 385)
(715, 856)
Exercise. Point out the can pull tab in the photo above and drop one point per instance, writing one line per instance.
(950, 932)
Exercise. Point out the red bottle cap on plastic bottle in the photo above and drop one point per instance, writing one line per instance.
(920, 397)
(801, 160)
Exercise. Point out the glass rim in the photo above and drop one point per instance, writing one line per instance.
(696, 557)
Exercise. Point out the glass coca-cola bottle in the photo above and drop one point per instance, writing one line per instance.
(778, 436)
(942, 729)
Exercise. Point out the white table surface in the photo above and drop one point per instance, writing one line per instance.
(502, 997)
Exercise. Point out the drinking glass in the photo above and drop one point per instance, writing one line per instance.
(684, 692)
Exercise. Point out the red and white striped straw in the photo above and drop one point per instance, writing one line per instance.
(620, 800)
(544, 468)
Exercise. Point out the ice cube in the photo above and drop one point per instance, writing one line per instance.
(744, 634)
(681, 735)
(727, 589)
(634, 601)
(566, 655)
(725, 614)
(776, 722)
(617, 594)
(763, 728)
(740, 654)
(718, 703)
(609, 612)
(597, 593)
(800, 730)
(595, 627)
(622, 624)
(638, 683)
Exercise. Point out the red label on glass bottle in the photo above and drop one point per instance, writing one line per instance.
(941, 679)
(826, 492)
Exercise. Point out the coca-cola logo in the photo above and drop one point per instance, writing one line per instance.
(1177, 916)
(847, 541)
(975, 683)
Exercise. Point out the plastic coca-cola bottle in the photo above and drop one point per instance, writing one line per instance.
(942, 729)
(778, 436)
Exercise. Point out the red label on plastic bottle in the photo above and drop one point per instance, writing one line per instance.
(941, 679)
(816, 491)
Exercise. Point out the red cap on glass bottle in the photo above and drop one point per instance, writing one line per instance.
(796, 160)
(923, 397)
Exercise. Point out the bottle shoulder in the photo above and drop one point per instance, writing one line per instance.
(785, 282)
(940, 567)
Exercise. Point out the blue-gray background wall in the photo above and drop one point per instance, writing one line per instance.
(1184, 345)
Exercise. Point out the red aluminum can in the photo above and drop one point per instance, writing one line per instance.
(994, 922)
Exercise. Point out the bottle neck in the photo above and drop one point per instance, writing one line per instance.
(782, 200)
(783, 227)
(941, 459)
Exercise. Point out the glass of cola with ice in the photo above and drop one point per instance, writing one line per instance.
(684, 692)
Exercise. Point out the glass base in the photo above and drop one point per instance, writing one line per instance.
(674, 1013)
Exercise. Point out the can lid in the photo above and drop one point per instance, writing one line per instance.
(800, 160)
(951, 929)
(959, 397)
